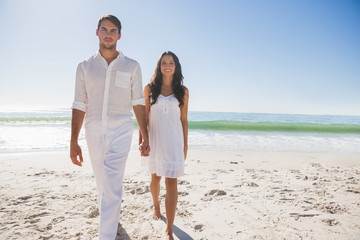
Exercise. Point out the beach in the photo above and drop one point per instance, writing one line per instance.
(224, 195)
(247, 176)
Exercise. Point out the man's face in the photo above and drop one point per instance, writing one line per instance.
(108, 34)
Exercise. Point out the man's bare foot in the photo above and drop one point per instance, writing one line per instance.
(168, 235)
(156, 214)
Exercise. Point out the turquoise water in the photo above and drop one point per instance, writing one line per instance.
(50, 129)
(220, 125)
(219, 121)
(275, 127)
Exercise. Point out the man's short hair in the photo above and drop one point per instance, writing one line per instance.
(112, 19)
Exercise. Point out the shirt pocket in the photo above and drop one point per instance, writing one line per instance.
(122, 79)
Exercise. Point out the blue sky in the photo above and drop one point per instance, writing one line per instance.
(266, 56)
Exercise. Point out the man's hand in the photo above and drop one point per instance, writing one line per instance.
(144, 148)
(75, 151)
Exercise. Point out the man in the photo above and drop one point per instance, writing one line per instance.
(108, 85)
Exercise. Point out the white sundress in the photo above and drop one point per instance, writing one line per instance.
(166, 139)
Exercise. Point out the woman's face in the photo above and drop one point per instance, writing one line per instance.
(167, 66)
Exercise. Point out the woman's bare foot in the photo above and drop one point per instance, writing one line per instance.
(156, 214)
(168, 235)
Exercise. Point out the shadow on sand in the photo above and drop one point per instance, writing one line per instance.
(122, 234)
(178, 232)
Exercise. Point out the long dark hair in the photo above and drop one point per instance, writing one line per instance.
(177, 83)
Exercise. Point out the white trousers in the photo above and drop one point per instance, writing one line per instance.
(108, 152)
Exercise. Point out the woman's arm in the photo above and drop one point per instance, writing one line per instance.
(184, 121)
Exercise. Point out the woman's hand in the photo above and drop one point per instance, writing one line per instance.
(144, 148)
(185, 152)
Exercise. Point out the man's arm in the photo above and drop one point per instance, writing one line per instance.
(140, 115)
(76, 123)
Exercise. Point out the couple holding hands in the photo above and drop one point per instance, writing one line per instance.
(108, 86)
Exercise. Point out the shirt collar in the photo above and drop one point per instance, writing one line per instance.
(119, 57)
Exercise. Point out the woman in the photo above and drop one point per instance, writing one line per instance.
(166, 102)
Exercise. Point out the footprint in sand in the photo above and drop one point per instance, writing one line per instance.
(44, 172)
(213, 193)
(216, 192)
(184, 182)
(250, 184)
(58, 219)
(331, 222)
(140, 190)
(45, 237)
(24, 198)
(93, 212)
(184, 213)
(37, 215)
(183, 193)
(331, 207)
(353, 190)
(199, 227)
(297, 216)
(316, 165)
(32, 221)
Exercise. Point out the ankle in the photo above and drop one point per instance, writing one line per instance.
(169, 235)
(168, 231)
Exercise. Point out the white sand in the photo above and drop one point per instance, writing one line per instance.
(225, 195)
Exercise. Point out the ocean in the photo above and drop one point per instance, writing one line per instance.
(49, 129)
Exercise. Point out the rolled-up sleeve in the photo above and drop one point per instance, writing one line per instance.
(80, 98)
(137, 94)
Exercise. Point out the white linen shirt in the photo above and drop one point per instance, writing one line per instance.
(105, 91)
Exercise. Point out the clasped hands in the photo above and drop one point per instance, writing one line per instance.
(144, 148)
